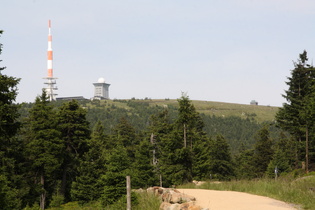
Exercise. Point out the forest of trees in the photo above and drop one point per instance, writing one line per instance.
(58, 152)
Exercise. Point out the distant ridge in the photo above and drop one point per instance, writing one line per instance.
(260, 113)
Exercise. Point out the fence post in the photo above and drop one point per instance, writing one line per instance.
(128, 193)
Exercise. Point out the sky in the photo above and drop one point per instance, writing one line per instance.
(230, 51)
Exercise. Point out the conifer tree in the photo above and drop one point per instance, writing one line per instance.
(202, 160)
(44, 146)
(284, 157)
(179, 146)
(143, 167)
(75, 132)
(125, 135)
(114, 180)
(263, 151)
(221, 160)
(244, 164)
(159, 131)
(294, 116)
(188, 120)
(9, 124)
(9, 127)
(86, 186)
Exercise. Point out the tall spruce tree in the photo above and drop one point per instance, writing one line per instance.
(75, 133)
(178, 147)
(114, 180)
(44, 147)
(143, 167)
(294, 115)
(9, 126)
(202, 160)
(263, 151)
(87, 186)
(159, 130)
(188, 120)
(221, 161)
(125, 135)
(244, 164)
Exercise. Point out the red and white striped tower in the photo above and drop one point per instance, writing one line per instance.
(49, 52)
(50, 80)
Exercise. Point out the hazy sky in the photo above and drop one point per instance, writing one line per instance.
(229, 50)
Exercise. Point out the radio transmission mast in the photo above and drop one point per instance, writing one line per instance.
(50, 79)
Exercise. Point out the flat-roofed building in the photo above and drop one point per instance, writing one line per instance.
(101, 89)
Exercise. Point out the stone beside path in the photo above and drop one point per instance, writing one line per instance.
(172, 199)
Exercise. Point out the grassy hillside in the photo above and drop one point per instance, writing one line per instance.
(219, 109)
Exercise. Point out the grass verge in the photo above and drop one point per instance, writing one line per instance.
(144, 201)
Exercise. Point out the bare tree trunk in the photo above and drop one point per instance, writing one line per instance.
(185, 140)
(64, 181)
(154, 161)
(43, 194)
(306, 150)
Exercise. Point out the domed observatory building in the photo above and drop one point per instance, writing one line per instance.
(101, 89)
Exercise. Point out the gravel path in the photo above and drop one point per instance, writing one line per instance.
(229, 200)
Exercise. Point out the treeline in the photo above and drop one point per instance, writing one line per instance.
(55, 157)
(235, 130)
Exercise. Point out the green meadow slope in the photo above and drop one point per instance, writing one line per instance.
(219, 109)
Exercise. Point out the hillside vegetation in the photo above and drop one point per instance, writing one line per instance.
(218, 109)
(221, 109)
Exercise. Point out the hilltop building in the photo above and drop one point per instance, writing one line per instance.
(101, 89)
(253, 102)
(78, 98)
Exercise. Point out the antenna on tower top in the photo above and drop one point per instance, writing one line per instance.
(50, 80)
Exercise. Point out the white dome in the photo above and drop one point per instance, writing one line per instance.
(101, 80)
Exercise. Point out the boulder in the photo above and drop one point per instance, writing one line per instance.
(165, 206)
(175, 200)
(184, 206)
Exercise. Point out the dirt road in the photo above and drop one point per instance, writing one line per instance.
(229, 200)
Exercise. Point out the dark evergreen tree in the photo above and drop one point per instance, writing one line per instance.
(114, 180)
(189, 120)
(244, 164)
(75, 133)
(294, 115)
(284, 157)
(221, 160)
(263, 151)
(44, 147)
(178, 147)
(194, 136)
(9, 148)
(142, 167)
(9, 196)
(125, 135)
(159, 130)
(87, 187)
(202, 160)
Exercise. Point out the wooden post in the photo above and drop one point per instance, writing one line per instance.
(306, 151)
(128, 193)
